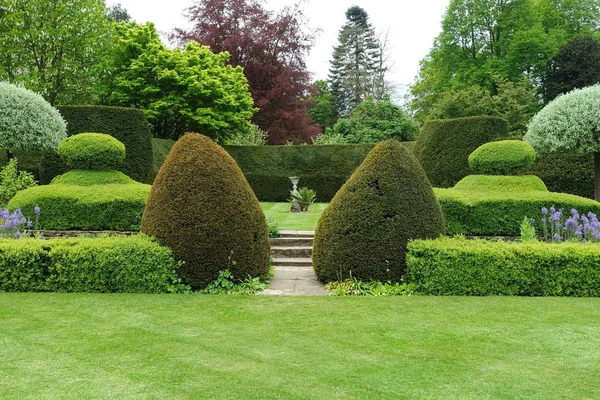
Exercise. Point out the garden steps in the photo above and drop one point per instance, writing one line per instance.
(292, 262)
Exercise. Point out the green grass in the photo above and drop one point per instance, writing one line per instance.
(78, 346)
(302, 221)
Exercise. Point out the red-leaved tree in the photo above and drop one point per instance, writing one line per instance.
(271, 47)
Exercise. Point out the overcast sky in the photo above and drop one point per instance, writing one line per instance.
(412, 26)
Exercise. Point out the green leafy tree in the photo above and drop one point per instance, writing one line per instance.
(323, 110)
(355, 62)
(570, 123)
(372, 121)
(53, 47)
(180, 90)
(118, 13)
(576, 65)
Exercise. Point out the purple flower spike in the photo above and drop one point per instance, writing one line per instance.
(36, 210)
(556, 237)
(544, 211)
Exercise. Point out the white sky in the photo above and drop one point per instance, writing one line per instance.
(412, 26)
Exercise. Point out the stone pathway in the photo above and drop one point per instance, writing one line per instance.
(294, 275)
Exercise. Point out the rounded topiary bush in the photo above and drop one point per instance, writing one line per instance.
(92, 151)
(27, 121)
(443, 146)
(505, 157)
(364, 231)
(202, 207)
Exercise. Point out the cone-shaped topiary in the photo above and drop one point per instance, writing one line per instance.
(92, 151)
(364, 231)
(504, 157)
(202, 207)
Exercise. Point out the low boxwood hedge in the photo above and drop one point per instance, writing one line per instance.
(501, 182)
(88, 178)
(98, 207)
(134, 264)
(477, 267)
(500, 212)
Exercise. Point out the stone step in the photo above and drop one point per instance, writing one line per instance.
(291, 251)
(291, 241)
(300, 262)
(296, 234)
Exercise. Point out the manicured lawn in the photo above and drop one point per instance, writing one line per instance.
(80, 346)
(304, 221)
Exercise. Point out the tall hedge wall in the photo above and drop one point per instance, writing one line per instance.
(567, 173)
(443, 146)
(128, 125)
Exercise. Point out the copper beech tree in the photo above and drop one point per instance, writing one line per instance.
(271, 47)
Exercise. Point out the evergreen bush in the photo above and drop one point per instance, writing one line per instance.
(504, 157)
(202, 207)
(385, 203)
(97, 151)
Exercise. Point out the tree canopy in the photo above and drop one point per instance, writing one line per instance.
(271, 48)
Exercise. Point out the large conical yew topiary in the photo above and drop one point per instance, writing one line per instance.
(386, 202)
(202, 207)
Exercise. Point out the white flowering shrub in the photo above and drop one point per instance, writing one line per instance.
(569, 122)
(27, 121)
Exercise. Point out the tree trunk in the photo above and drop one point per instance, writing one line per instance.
(597, 176)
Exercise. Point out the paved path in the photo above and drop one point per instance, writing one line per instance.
(294, 275)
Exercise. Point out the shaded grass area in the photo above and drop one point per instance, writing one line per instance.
(79, 346)
(302, 221)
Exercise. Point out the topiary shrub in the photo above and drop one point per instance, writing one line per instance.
(443, 146)
(92, 151)
(501, 183)
(89, 178)
(505, 157)
(364, 231)
(27, 121)
(202, 207)
(566, 172)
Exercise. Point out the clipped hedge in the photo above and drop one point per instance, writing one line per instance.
(88, 178)
(99, 207)
(461, 267)
(134, 264)
(97, 151)
(566, 172)
(504, 157)
(501, 182)
(128, 125)
(443, 146)
(385, 203)
(500, 212)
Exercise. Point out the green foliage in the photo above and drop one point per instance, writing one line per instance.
(372, 121)
(527, 231)
(127, 125)
(323, 111)
(304, 196)
(254, 137)
(510, 184)
(54, 47)
(514, 102)
(460, 267)
(90, 177)
(505, 157)
(443, 146)
(132, 264)
(226, 284)
(98, 207)
(576, 65)
(273, 227)
(354, 287)
(92, 151)
(386, 202)
(500, 212)
(180, 90)
(566, 172)
(12, 180)
(570, 122)
(202, 207)
(27, 121)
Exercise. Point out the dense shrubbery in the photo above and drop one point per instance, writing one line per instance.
(128, 125)
(97, 151)
(566, 172)
(505, 157)
(27, 121)
(476, 267)
(88, 178)
(202, 207)
(99, 207)
(508, 184)
(108, 265)
(500, 212)
(13, 180)
(443, 146)
(364, 230)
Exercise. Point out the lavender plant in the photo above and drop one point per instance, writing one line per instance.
(557, 226)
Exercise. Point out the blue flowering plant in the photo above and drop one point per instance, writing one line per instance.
(557, 226)
(15, 225)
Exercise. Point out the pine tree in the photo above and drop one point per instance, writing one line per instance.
(355, 63)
